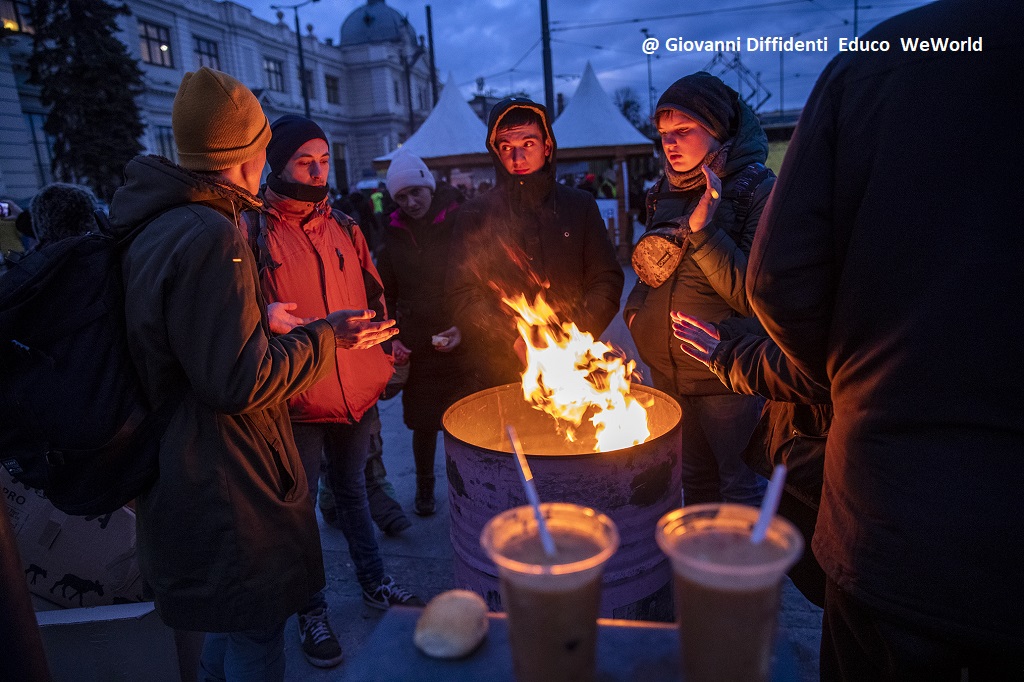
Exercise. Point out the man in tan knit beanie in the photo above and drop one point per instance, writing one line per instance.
(218, 123)
(227, 536)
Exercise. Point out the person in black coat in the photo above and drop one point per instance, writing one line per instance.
(528, 235)
(793, 427)
(413, 265)
(888, 265)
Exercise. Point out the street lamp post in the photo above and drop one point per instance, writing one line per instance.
(298, 40)
(650, 84)
(407, 65)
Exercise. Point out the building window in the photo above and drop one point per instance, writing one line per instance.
(331, 89)
(16, 15)
(165, 143)
(274, 69)
(156, 44)
(398, 92)
(206, 53)
(310, 91)
(42, 146)
(340, 167)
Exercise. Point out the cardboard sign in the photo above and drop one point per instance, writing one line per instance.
(73, 561)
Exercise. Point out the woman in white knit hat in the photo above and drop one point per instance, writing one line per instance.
(413, 266)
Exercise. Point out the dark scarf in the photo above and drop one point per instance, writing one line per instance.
(694, 178)
(296, 190)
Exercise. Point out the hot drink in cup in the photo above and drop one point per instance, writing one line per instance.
(552, 602)
(727, 589)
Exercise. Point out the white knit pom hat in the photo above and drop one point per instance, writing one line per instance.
(408, 170)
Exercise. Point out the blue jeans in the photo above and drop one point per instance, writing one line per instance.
(249, 656)
(345, 448)
(715, 431)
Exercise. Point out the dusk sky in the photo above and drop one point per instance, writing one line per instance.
(500, 39)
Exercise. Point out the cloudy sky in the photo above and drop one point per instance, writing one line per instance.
(499, 40)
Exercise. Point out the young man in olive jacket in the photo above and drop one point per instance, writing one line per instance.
(226, 536)
(528, 235)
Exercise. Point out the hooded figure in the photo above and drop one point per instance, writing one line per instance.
(62, 210)
(708, 134)
(529, 235)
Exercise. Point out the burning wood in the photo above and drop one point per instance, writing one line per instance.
(569, 376)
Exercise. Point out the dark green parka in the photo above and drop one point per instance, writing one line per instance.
(227, 538)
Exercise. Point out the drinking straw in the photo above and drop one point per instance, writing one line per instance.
(526, 478)
(770, 504)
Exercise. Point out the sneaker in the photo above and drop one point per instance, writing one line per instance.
(397, 526)
(319, 644)
(388, 594)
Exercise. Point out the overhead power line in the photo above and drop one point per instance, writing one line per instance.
(720, 10)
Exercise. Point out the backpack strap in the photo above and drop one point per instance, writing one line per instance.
(346, 221)
(741, 194)
(125, 240)
(257, 229)
(653, 195)
(743, 189)
(374, 290)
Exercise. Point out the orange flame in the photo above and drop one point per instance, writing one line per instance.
(569, 374)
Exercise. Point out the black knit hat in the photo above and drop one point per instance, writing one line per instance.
(288, 133)
(705, 99)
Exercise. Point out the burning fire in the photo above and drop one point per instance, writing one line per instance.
(569, 375)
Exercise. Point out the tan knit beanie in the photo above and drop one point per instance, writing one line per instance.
(218, 123)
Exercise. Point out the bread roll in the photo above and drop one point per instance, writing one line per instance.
(452, 625)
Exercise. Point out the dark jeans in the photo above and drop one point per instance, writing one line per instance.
(345, 448)
(859, 642)
(250, 656)
(715, 431)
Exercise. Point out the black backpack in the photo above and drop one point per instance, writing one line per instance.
(74, 419)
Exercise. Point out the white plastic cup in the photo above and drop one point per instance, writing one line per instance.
(552, 603)
(727, 589)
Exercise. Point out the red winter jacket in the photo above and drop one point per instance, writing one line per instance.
(321, 270)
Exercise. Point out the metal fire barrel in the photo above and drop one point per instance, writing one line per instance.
(635, 486)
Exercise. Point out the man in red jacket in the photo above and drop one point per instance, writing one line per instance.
(314, 263)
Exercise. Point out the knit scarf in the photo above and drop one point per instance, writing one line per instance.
(694, 178)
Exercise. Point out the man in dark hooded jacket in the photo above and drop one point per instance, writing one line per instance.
(704, 125)
(527, 236)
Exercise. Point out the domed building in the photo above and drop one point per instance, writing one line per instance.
(375, 22)
(369, 91)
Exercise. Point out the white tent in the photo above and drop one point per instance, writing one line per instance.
(592, 127)
(452, 135)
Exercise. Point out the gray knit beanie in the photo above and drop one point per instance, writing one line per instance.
(60, 210)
